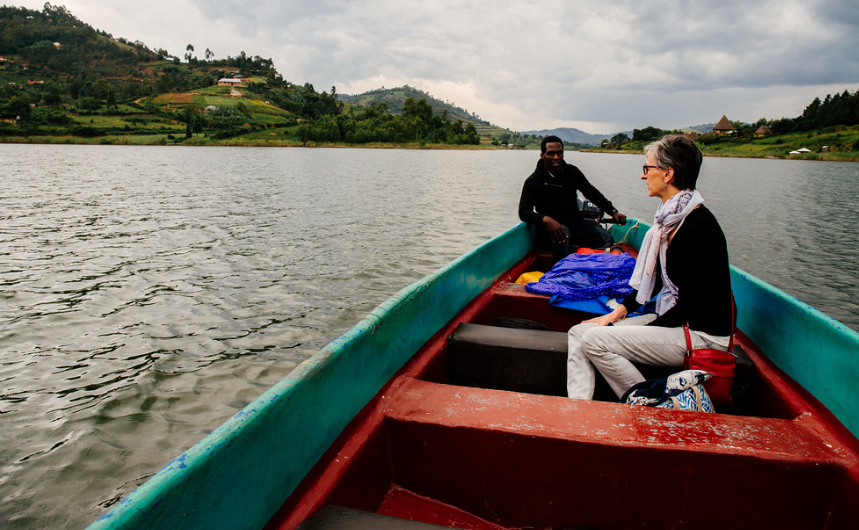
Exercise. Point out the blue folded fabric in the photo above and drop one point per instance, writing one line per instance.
(596, 306)
(587, 277)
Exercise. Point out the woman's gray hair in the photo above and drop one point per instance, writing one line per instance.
(680, 153)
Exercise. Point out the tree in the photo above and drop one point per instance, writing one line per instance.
(647, 134)
(51, 96)
(189, 50)
(189, 114)
(209, 54)
(19, 107)
(619, 139)
(100, 89)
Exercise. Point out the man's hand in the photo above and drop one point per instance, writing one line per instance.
(619, 218)
(556, 232)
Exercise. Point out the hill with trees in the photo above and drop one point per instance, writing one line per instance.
(395, 99)
(63, 81)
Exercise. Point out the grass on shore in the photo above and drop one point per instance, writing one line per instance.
(257, 139)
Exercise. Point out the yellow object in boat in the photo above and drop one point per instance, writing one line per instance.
(529, 277)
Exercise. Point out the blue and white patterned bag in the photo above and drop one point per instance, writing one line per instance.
(681, 391)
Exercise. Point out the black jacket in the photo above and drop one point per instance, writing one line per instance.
(698, 265)
(543, 194)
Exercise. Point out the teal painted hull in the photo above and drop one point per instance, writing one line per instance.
(238, 476)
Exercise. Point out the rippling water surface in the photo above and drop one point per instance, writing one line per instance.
(147, 294)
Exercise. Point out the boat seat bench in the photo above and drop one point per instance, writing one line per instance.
(519, 360)
(438, 434)
(535, 361)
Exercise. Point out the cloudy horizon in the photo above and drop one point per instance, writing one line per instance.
(596, 66)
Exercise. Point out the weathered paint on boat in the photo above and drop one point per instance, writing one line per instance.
(239, 476)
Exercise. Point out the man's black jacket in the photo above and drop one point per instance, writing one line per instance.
(543, 194)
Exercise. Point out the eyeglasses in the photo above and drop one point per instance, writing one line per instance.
(645, 167)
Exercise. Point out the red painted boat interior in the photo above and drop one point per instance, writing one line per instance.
(479, 458)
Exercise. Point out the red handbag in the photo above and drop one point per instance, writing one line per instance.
(721, 363)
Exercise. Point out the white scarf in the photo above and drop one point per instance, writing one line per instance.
(669, 216)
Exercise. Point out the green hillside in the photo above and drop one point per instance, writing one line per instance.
(833, 142)
(63, 81)
(395, 98)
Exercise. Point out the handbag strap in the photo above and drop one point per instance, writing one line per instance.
(733, 329)
(697, 390)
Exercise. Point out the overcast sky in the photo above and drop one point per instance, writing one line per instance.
(599, 66)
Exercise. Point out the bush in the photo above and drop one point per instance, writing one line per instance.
(86, 132)
(89, 104)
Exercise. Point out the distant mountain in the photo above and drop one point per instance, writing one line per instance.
(574, 136)
(395, 97)
(705, 128)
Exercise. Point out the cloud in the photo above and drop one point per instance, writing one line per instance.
(599, 66)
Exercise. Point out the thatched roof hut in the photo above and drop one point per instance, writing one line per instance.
(724, 126)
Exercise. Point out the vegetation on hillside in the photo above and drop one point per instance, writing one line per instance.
(826, 130)
(63, 81)
(395, 100)
(374, 124)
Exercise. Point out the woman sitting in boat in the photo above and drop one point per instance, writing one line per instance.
(683, 260)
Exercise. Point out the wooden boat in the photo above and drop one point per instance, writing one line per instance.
(391, 425)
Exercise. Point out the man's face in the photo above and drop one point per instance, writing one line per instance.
(553, 158)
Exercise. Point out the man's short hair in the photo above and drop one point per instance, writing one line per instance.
(548, 139)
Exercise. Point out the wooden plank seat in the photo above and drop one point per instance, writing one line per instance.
(438, 435)
(519, 360)
(535, 362)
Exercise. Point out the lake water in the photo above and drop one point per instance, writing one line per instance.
(147, 294)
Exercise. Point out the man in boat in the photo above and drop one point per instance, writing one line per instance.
(549, 202)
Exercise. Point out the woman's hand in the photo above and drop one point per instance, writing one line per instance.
(605, 320)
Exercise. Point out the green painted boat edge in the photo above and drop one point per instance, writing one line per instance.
(816, 351)
(282, 434)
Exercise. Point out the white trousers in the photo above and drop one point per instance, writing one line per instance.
(613, 349)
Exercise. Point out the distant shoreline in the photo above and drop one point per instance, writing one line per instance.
(71, 140)
(199, 142)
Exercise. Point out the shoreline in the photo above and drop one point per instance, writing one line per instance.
(852, 156)
(73, 140)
